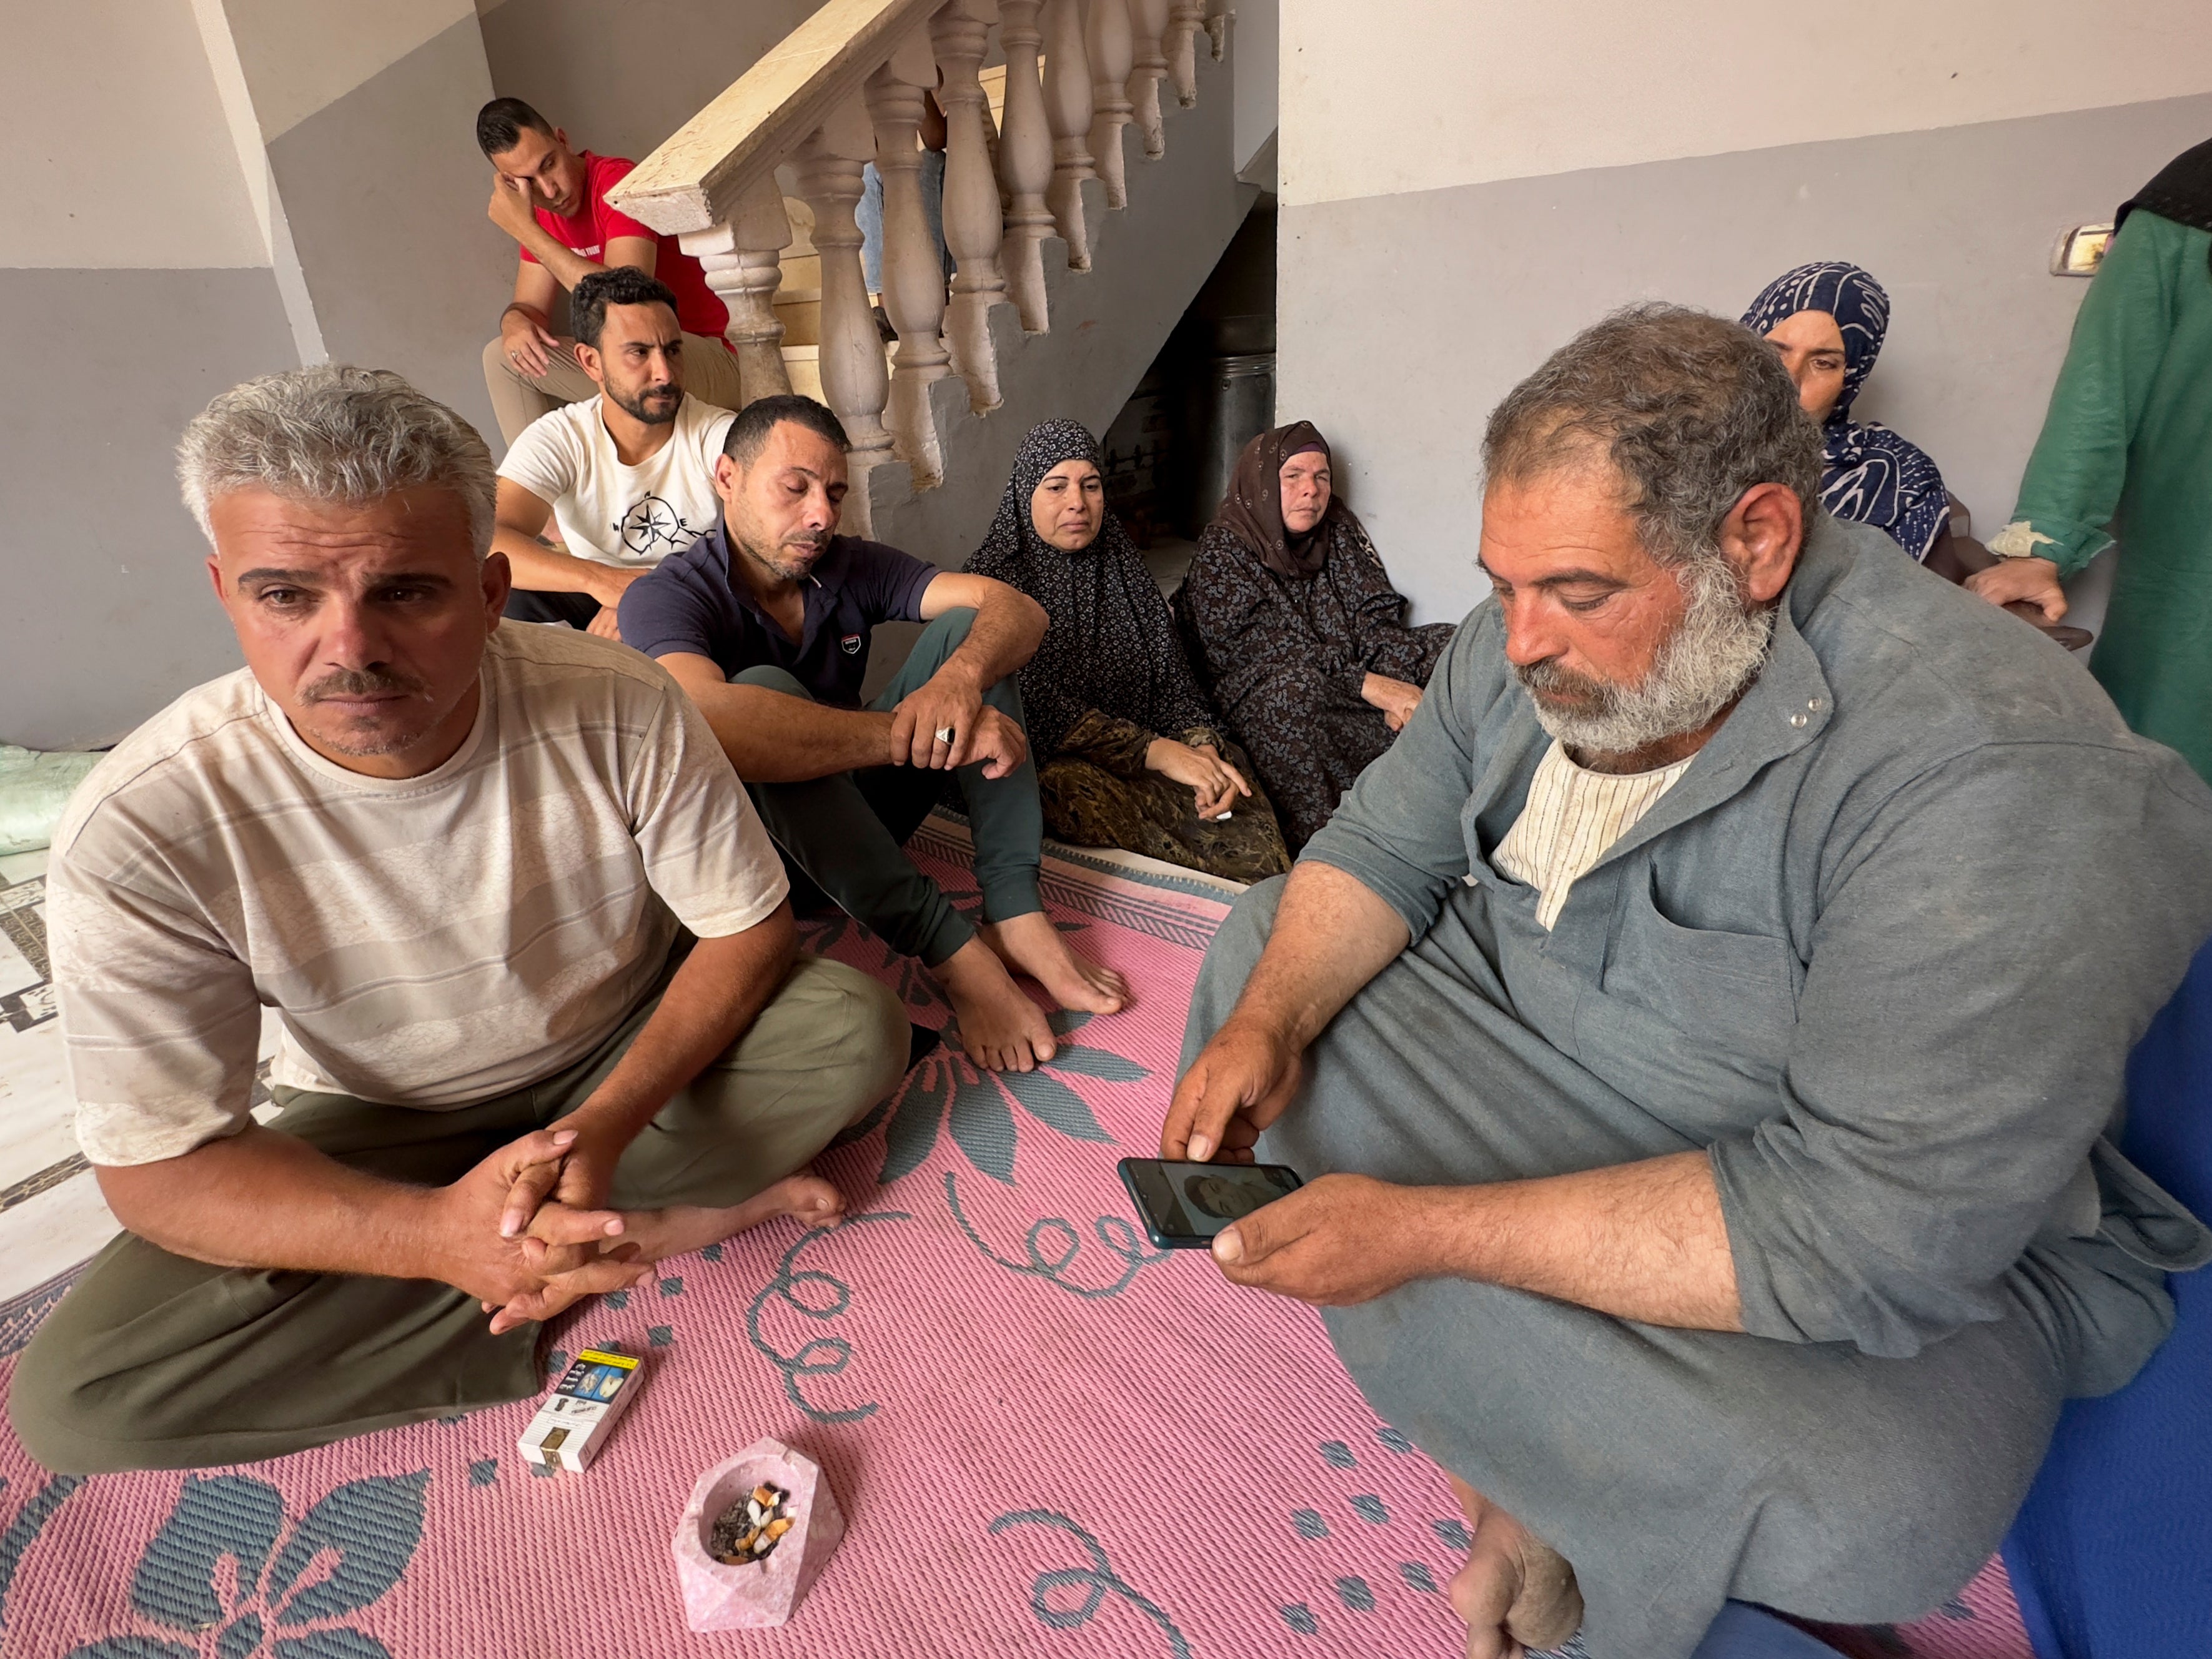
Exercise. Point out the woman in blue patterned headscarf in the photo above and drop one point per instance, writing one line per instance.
(1828, 321)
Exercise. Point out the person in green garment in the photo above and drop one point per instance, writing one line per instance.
(2126, 452)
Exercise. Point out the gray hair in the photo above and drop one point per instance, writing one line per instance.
(334, 433)
(1692, 409)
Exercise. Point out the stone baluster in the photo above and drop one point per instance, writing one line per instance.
(1148, 19)
(1024, 164)
(1112, 47)
(1067, 107)
(855, 383)
(740, 256)
(1185, 19)
(914, 276)
(973, 227)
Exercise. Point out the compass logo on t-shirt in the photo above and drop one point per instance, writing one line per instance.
(653, 529)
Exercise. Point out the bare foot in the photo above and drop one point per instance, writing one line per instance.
(806, 1197)
(1031, 944)
(999, 1027)
(1515, 1591)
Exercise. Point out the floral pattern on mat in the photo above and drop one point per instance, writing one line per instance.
(1048, 1437)
(230, 1567)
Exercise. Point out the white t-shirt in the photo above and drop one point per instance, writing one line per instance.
(631, 517)
(426, 942)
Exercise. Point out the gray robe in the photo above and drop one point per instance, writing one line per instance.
(1881, 952)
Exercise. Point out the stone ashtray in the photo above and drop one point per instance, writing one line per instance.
(763, 1594)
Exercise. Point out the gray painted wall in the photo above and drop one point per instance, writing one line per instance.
(109, 615)
(1108, 325)
(386, 194)
(622, 75)
(1404, 319)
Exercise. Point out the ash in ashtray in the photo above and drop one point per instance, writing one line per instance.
(751, 1527)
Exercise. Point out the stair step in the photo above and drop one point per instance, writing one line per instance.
(800, 313)
(804, 364)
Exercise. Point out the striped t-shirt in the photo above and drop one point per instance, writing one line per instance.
(1571, 818)
(426, 942)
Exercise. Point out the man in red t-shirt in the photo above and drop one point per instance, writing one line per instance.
(553, 200)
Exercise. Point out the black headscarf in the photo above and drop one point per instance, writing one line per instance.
(1111, 645)
(2181, 191)
(1253, 509)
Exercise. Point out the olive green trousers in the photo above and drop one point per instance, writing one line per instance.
(157, 1361)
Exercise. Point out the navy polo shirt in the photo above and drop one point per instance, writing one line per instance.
(689, 602)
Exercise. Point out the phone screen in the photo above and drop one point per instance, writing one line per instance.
(1185, 1205)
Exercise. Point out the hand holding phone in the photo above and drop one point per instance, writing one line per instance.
(1183, 1205)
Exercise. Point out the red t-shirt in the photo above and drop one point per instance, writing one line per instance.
(699, 309)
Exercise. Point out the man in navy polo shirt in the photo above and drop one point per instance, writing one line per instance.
(765, 622)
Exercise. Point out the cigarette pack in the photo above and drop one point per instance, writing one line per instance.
(574, 1422)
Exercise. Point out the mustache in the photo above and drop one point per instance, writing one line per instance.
(1539, 678)
(360, 682)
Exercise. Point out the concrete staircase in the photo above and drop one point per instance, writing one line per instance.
(760, 184)
(1147, 261)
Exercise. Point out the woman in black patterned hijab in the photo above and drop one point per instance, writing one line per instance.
(1110, 679)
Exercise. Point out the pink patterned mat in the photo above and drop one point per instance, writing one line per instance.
(1048, 1438)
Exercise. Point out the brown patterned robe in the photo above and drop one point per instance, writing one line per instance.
(1284, 657)
(1096, 792)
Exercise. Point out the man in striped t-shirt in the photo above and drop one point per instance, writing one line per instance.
(512, 909)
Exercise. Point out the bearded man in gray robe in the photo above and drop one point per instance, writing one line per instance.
(1704, 1032)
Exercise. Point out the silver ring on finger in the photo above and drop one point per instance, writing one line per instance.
(945, 735)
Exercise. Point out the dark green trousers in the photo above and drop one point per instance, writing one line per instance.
(157, 1361)
(843, 836)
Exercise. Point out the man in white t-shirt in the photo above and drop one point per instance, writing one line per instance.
(629, 475)
(542, 1019)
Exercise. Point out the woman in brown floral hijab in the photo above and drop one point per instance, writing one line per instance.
(1295, 630)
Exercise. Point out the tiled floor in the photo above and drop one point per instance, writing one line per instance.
(51, 1213)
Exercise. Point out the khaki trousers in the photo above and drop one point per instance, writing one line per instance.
(710, 374)
(158, 1361)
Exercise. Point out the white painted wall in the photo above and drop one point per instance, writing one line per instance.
(113, 143)
(1424, 94)
(301, 55)
(1255, 50)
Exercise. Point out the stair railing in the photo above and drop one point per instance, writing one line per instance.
(845, 88)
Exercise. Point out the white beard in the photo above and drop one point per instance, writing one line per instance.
(1714, 652)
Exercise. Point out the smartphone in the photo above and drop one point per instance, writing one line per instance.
(1185, 1205)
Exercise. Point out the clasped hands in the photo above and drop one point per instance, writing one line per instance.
(1338, 1240)
(1214, 784)
(944, 724)
(527, 1230)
